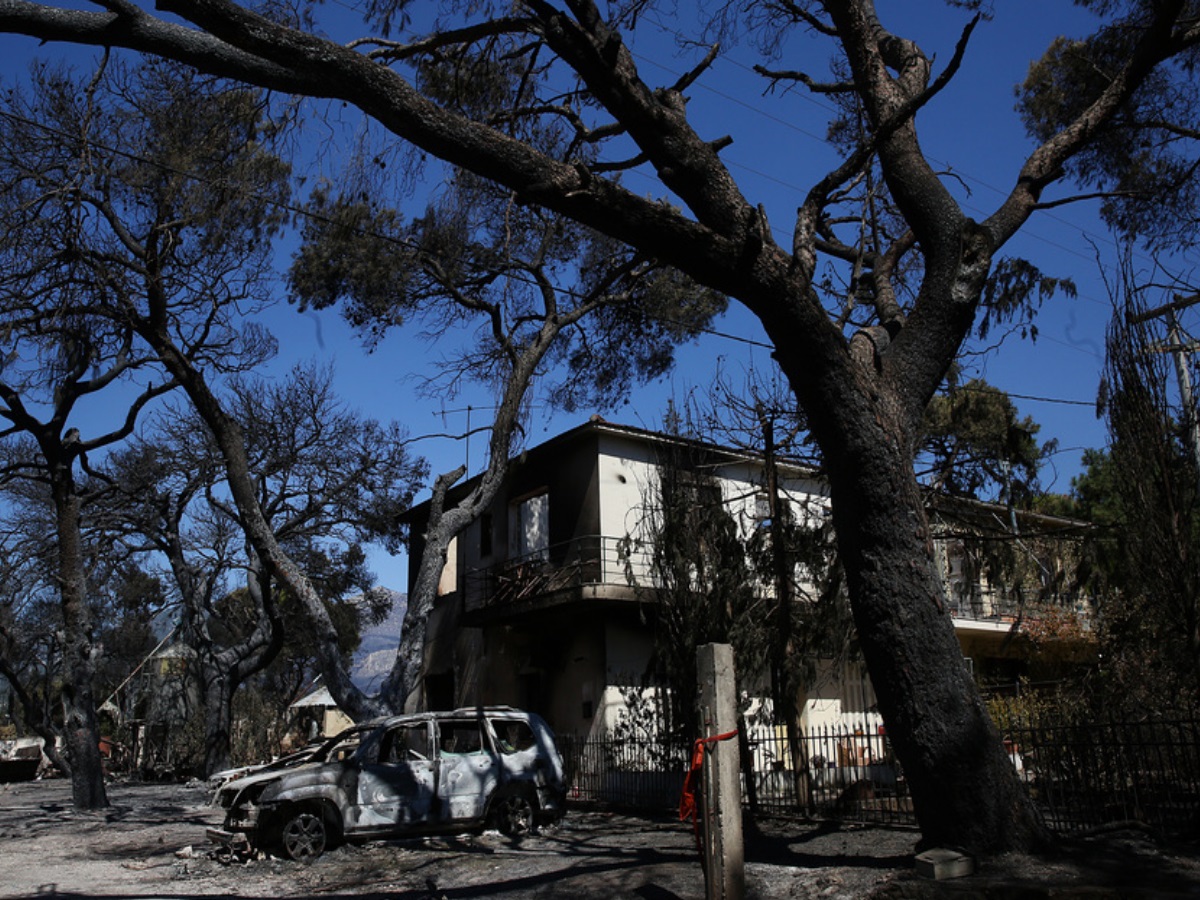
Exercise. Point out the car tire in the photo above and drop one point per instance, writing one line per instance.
(514, 815)
(305, 835)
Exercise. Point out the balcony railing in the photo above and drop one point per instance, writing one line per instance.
(591, 560)
(982, 605)
(599, 560)
(989, 605)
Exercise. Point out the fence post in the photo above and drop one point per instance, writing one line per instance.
(724, 870)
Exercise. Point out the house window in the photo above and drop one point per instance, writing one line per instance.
(485, 535)
(762, 508)
(529, 536)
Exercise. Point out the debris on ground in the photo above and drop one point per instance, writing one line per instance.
(152, 842)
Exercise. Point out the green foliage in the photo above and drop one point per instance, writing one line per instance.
(1143, 159)
(478, 259)
(353, 253)
(1015, 291)
(632, 341)
(978, 448)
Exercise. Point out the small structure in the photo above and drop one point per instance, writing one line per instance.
(20, 759)
(320, 715)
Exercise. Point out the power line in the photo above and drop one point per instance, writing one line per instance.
(303, 212)
(827, 108)
(408, 244)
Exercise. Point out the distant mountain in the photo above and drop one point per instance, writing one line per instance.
(377, 652)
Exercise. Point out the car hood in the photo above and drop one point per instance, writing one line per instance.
(266, 775)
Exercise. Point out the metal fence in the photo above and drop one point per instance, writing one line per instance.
(1080, 776)
(841, 772)
(642, 774)
(845, 771)
(1085, 776)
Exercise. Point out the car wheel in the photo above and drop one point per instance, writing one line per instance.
(514, 815)
(305, 835)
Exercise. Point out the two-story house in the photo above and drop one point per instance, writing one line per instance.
(547, 601)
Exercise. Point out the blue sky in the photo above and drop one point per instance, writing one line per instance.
(972, 131)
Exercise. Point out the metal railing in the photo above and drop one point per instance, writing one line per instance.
(1080, 777)
(986, 604)
(840, 772)
(1085, 776)
(645, 774)
(846, 771)
(583, 561)
(594, 560)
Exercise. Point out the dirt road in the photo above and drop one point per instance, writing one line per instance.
(151, 843)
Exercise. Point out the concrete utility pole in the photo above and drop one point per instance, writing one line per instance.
(721, 805)
(1177, 348)
(1184, 375)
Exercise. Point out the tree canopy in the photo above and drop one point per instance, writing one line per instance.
(115, 199)
(979, 448)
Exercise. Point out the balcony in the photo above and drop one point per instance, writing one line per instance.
(996, 610)
(602, 569)
(589, 568)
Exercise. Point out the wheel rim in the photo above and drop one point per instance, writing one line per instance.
(516, 815)
(304, 837)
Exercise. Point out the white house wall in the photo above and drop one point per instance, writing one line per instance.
(607, 496)
(627, 474)
(628, 478)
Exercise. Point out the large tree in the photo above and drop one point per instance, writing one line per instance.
(97, 212)
(864, 362)
(546, 296)
(328, 480)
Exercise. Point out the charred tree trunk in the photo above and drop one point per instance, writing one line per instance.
(81, 732)
(404, 690)
(219, 689)
(965, 790)
(224, 670)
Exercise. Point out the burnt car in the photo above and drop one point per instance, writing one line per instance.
(412, 774)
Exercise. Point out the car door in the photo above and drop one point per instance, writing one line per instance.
(396, 779)
(469, 769)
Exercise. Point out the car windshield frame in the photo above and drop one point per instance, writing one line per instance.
(349, 740)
